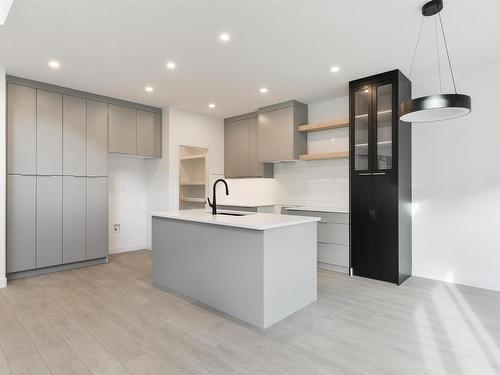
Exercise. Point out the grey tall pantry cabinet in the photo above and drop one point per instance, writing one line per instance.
(57, 165)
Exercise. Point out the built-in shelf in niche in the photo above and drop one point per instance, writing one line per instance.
(325, 155)
(192, 183)
(190, 157)
(193, 200)
(325, 125)
(192, 177)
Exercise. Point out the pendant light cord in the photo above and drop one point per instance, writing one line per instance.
(416, 47)
(437, 53)
(447, 53)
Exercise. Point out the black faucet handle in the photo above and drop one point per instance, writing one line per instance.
(210, 203)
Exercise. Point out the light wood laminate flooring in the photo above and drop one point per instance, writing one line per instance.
(108, 319)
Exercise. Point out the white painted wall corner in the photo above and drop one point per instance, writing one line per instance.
(127, 248)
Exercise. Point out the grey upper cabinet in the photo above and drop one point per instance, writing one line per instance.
(97, 138)
(134, 132)
(74, 212)
(278, 134)
(49, 221)
(122, 130)
(148, 134)
(158, 135)
(21, 224)
(236, 148)
(49, 133)
(21, 129)
(97, 217)
(256, 168)
(241, 148)
(74, 136)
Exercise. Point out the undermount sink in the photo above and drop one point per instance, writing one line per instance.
(230, 214)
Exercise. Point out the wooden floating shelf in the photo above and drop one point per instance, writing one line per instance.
(194, 200)
(190, 157)
(325, 155)
(332, 124)
(192, 183)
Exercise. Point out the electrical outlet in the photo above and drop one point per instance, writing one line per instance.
(116, 228)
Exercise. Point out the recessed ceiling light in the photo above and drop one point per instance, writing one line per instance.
(224, 37)
(334, 69)
(54, 64)
(332, 139)
(263, 90)
(211, 105)
(171, 65)
(149, 89)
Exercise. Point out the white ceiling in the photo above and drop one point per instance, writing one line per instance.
(117, 47)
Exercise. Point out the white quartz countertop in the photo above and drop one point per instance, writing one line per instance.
(250, 220)
(319, 209)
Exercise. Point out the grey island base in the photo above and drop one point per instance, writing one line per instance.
(259, 267)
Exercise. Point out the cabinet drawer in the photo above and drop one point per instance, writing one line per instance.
(326, 217)
(333, 254)
(333, 233)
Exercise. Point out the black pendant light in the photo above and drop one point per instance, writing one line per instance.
(435, 107)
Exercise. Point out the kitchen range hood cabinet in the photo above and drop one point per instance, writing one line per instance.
(279, 137)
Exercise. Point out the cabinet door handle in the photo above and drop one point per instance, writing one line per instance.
(364, 174)
(379, 173)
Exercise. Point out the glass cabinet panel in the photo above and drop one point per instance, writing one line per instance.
(361, 129)
(384, 127)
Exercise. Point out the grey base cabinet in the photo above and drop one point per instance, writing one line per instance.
(21, 223)
(49, 221)
(333, 238)
(74, 219)
(97, 217)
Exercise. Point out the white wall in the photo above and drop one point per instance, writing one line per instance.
(456, 187)
(3, 171)
(182, 128)
(127, 203)
(193, 129)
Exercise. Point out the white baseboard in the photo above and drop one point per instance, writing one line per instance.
(333, 267)
(124, 249)
(3, 282)
(460, 279)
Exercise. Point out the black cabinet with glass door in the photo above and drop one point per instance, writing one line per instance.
(380, 178)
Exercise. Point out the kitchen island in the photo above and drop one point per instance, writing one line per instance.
(258, 267)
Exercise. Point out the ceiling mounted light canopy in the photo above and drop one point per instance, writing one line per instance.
(435, 107)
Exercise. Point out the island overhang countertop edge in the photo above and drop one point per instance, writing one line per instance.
(249, 220)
